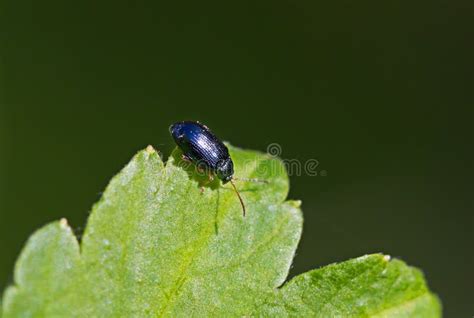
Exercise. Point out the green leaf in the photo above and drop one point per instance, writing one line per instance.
(156, 245)
(368, 286)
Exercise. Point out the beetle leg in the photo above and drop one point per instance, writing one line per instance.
(210, 177)
(185, 158)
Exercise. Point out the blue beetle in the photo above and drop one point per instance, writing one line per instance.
(200, 146)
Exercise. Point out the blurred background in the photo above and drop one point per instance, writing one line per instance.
(380, 93)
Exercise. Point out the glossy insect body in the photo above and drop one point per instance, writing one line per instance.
(202, 147)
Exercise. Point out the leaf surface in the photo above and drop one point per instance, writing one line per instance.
(157, 245)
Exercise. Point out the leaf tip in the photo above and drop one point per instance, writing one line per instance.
(63, 223)
(295, 203)
(150, 149)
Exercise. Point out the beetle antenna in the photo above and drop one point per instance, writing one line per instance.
(251, 180)
(240, 198)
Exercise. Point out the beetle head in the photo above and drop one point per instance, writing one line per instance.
(225, 170)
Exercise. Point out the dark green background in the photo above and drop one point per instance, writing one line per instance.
(381, 93)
